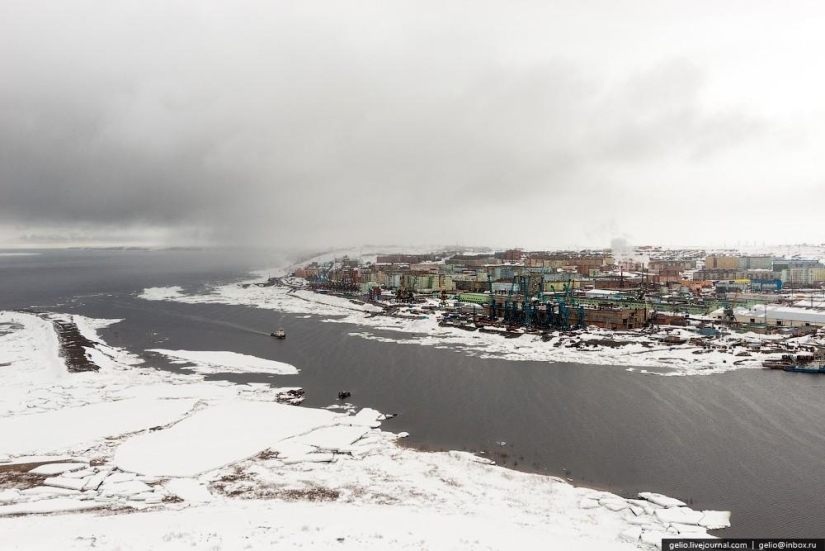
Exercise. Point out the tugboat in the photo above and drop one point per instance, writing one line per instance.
(279, 334)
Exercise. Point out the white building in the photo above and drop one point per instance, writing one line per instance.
(779, 316)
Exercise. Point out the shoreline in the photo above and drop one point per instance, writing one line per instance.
(531, 470)
(638, 351)
(401, 468)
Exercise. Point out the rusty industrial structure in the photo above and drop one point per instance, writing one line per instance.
(570, 289)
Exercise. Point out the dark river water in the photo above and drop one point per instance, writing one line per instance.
(751, 441)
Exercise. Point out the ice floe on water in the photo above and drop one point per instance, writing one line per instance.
(162, 293)
(274, 297)
(204, 361)
(214, 464)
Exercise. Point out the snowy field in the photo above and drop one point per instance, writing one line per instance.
(147, 459)
(637, 351)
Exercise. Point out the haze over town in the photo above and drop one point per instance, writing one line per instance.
(538, 125)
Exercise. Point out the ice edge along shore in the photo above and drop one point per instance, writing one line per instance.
(132, 438)
(634, 350)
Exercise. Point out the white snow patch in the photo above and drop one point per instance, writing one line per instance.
(688, 529)
(680, 515)
(42, 459)
(310, 458)
(64, 482)
(215, 437)
(661, 500)
(57, 505)
(124, 488)
(57, 430)
(211, 361)
(162, 293)
(9, 495)
(49, 491)
(367, 417)
(189, 490)
(58, 468)
(467, 456)
(335, 438)
(714, 520)
(631, 535)
(588, 503)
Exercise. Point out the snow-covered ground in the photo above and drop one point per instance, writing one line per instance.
(637, 351)
(147, 459)
(210, 361)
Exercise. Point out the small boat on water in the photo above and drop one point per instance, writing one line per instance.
(278, 334)
(804, 369)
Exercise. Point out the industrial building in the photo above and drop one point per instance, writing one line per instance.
(568, 289)
(773, 315)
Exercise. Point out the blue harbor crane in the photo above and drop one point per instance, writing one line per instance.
(492, 297)
(526, 306)
(571, 301)
(550, 320)
(541, 288)
(547, 321)
(561, 319)
(509, 305)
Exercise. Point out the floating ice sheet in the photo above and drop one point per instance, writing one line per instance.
(221, 361)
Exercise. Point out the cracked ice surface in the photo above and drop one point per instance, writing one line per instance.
(64, 428)
(216, 437)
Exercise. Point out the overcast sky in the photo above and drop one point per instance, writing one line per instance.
(535, 124)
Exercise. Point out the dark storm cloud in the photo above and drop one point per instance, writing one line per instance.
(324, 126)
(59, 175)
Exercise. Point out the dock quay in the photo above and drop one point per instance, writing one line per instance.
(72, 343)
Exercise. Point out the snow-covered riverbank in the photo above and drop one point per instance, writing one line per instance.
(165, 461)
(638, 351)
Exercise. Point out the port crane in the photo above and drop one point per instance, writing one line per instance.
(509, 304)
(492, 297)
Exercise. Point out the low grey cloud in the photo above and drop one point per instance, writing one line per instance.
(659, 113)
(327, 127)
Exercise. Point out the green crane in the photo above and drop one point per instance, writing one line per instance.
(492, 297)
